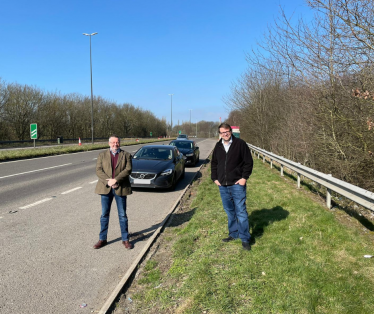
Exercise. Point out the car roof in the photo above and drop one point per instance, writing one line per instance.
(158, 146)
(184, 141)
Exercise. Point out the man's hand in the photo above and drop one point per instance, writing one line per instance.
(217, 182)
(241, 181)
(112, 182)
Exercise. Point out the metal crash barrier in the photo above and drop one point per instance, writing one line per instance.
(350, 191)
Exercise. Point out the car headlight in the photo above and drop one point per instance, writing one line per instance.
(166, 172)
(189, 155)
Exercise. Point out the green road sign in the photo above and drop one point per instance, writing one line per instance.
(180, 132)
(150, 133)
(34, 131)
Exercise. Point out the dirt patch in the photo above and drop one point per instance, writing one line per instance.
(161, 254)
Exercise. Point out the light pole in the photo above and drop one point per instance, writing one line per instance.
(190, 117)
(92, 121)
(171, 112)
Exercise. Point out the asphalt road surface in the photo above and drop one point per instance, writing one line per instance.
(49, 221)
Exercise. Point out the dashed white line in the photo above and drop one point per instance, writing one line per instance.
(94, 182)
(63, 155)
(72, 190)
(36, 203)
(17, 174)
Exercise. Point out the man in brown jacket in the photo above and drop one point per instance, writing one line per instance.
(113, 168)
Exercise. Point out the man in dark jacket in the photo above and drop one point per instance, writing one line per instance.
(113, 169)
(232, 165)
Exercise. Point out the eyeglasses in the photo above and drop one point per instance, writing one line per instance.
(225, 133)
(114, 143)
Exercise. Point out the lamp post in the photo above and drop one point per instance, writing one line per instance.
(190, 117)
(92, 121)
(171, 112)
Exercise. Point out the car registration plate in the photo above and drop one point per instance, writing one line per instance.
(142, 181)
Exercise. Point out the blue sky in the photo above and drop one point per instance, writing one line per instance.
(144, 49)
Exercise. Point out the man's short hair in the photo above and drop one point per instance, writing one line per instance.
(113, 135)
(224, 126)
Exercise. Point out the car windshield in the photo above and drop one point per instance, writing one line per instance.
(182, 144)
(154, 153)
(182, 136)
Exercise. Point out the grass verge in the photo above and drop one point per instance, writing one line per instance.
(7, 155)
(305, 258)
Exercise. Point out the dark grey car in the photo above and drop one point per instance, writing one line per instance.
(182, 137)
(189, 149)
(157, 166)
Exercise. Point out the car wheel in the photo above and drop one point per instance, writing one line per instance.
(183, 173)
(194, 161)
(174, 184)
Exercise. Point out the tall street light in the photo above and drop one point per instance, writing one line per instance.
(190, 117)
(92, 121)
(171, 112)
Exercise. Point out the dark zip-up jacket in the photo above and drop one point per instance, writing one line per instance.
(230, 167)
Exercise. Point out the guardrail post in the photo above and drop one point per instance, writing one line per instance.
(258, 155)
(271, 163)
(263, 158)
(298, 178)
(282, 175)
(328, 196)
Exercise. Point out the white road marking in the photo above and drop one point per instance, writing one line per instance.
(90, 151)
(94, 159)
(36, 203)
(72, 190)
(18, 174)
(94, 182)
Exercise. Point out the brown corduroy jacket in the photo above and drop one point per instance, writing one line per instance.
(122, 173)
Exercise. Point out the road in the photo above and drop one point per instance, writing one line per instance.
(49, 221)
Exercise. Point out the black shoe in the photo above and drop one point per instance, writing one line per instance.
(228, 239)
(246, 246)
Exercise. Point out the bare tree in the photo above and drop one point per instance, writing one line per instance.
(21, 108)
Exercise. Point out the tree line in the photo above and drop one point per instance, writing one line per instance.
(308, 91)
(202, 129)
(69, 115)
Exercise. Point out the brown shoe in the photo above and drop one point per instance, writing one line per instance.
(100, 244)
(127, 244)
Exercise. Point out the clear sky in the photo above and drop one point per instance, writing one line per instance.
(144, 49)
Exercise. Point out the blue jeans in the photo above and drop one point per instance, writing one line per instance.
(233, 201)
(106, 202)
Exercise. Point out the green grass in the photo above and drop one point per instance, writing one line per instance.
(58, 150)
(303, 260)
